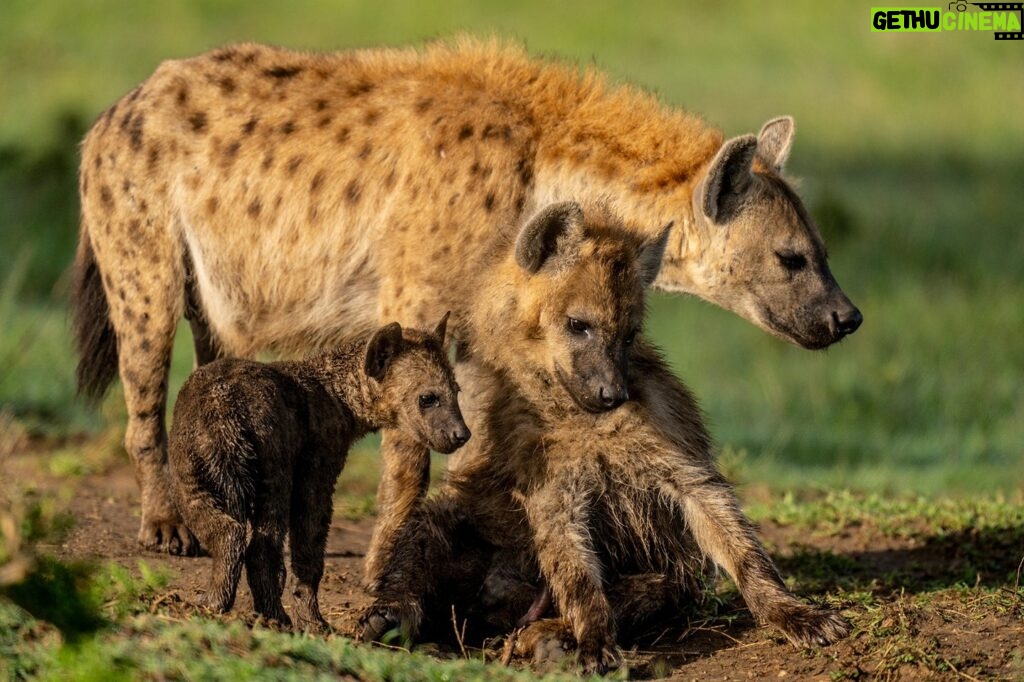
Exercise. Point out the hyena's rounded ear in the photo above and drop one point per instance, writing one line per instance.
(382, 348)
(442, 327)
(775, 141)
(728, 179)
(549, 234)
(649, 262)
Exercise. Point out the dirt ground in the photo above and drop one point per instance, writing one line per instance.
(937, 628)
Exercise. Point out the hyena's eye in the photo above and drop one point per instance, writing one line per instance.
(630, 338)
(794, 262)
(428, 400)
(578, 327)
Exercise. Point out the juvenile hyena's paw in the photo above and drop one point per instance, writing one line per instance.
(550, 642)
(806, 625)
(385, 616)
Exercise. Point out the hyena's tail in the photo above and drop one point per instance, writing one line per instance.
(94, 338)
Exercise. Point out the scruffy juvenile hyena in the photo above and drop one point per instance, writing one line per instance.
(617, 510)
(255, 450)
(283, 200)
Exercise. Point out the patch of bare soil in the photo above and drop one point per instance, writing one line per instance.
(914, 618)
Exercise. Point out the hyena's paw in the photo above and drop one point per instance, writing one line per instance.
(168, 537)
(313, 624)
(550, 642)
(385, 616)
(162, 528)
(806, 626)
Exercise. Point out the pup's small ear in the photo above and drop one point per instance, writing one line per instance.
(651, 254)
(549, 234)
(382, 348)
(442, 327)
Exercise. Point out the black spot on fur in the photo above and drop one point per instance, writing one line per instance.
(268, 160)
(227, 85)
(371, 117)
(423, 105)
(135, 134)
(324, 122)
(366, 151)
(288, 127)
(135, 94)
(225, 55)
(154, 157)
(466, 131)
(182, 96)
(249, 126)
(231, 151)
(489, 202)
(320, 105)
(254, 208)
(343, 135)
(352, 192)
(106, 197)
(293, 164)
(108, 115)
(318, 181)
(282, 72)
(198, 122)
(359, 88)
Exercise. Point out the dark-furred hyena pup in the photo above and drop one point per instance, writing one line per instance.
(258, 447)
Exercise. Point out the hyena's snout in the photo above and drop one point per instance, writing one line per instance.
(454, 434)
(844, 318)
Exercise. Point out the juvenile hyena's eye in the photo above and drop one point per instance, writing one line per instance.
(794, 262)
(578, 327)
(630, 338)
(428, 400)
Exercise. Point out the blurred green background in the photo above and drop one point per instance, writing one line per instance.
(910, 146)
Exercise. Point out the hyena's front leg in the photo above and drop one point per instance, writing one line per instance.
(559, 514)
(403, 483)
(725, 534)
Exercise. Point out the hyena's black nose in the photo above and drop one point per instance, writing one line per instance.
(613, 396)
(847, 321)
(461, 435)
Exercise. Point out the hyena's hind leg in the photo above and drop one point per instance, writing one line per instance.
(224, 538)
(264, 558)
(138, 262)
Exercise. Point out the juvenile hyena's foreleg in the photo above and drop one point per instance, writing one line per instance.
(559, 514)
(403, 483)
(437, 560)
(725, 535)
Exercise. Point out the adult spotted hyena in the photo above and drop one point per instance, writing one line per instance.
(618, 510)
(282, 200)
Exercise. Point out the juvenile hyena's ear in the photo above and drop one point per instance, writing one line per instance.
(728, 179)
(442, 327)
(649, 262)
(549, 233)
(775, 141)
(382, 349)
